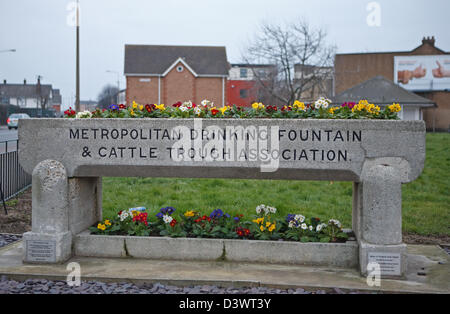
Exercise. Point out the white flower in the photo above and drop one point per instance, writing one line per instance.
(205, 102)
(260, 208)
(310, 228)
(197, 110)
(299, 218)
(167, 219)
(335, 222)
(187, 104)
(184, 108)
(304, 226)
(291, 224)
(322, 103)
(84, 114)
(124, 215)
(273, 210)
(320, 227)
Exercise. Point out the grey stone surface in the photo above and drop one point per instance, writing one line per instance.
(321, 254)
(381, 211)
(378, 155)
(85, 201)
(174, 248)
(95, 138)
(100, 246)
(366, 248)
(50, 214)
(62, 246)
(325, 254)
(50, 206)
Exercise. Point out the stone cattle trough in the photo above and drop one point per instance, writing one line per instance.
(68, 157)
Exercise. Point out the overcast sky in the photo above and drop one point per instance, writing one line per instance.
(45, 41)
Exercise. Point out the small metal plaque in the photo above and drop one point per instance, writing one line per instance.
(390, 263)
(41, 251)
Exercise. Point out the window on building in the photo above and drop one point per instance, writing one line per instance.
(243, 93)
(243, 73)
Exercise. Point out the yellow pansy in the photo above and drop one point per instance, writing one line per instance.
(259, 220)
(189, 213)
(395, 107)
(135, 105)
(101, 227)
(141, 107)
(107, 222)
(299, 105)
(332, 110)
(134, 213)
(223, 109)
(160, 107)
(272, 227)
(261, 228)
(132, 112)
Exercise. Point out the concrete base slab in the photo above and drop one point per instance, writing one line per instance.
(428, 272)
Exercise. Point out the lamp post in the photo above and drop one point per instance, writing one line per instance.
(77, 87)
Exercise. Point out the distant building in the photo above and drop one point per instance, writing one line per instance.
(26, 95)
(317, 81)
(244, 85)
(352, 69)
(383, 92)
(122, 96)
(56, 100)
(169, 74)
(89, 105)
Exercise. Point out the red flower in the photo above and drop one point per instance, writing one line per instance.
(173, 223)
(122, 106)
(214, 111)
(148, 108)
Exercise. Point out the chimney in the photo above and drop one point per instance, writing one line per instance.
(24, 82)
(428, 40)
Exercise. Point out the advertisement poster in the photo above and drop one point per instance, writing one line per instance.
(422, 73)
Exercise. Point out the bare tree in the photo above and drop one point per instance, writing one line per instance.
(289, 47)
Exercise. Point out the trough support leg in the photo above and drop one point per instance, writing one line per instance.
(377, 221)
(50, 240)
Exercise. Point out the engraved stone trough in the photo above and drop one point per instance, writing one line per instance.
(68, 157)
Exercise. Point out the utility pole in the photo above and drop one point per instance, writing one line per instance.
(77, 97)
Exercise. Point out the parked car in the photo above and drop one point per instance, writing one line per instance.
(13, 120)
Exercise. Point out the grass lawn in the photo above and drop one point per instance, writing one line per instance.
(426, 201)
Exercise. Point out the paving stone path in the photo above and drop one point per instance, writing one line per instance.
(6, 239)
(43, 286)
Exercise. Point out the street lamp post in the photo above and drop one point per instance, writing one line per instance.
(77, 87)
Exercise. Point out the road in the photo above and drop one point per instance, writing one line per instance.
(7, 135)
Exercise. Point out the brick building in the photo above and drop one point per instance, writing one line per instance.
(244, 87)
(168, 74)
(352, 69)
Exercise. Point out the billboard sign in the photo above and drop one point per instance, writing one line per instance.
(422, 73)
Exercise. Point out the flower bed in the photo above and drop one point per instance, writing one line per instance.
(320, 109)
(220, 225)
